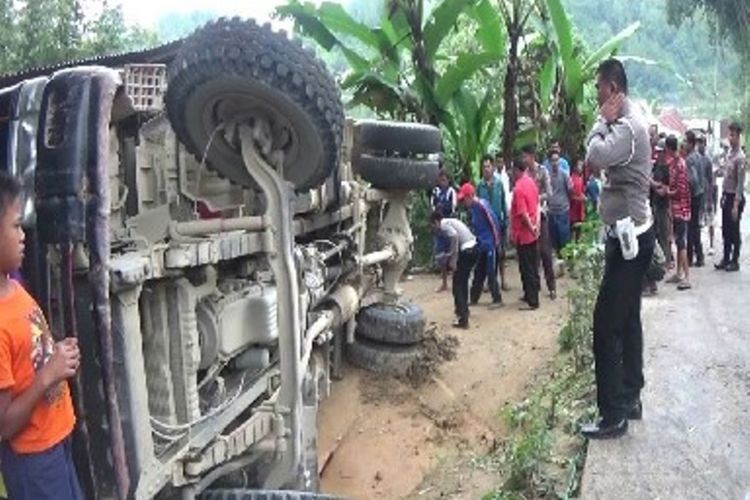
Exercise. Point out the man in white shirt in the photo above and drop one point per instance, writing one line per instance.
(463, 253)
(501, 173)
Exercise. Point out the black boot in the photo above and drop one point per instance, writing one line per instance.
(635, 410)
(462, 323)
(605, 430)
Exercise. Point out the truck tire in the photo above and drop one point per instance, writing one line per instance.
(264, 495)
(401, 323)
(384, 359)
(397, 173)
(235, 70)
(406, 138)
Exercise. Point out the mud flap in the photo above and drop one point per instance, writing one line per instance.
(73, 205)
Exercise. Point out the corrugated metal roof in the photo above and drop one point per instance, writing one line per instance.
(162, 54)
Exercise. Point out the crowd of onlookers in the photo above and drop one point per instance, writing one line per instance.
(564, 196)
(684, 198)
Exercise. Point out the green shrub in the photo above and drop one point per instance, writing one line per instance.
(563, 399)
(585, 262)
(419, 219)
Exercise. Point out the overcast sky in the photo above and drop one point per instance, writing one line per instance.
(147, 12)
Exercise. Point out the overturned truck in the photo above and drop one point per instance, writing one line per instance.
(207, 222)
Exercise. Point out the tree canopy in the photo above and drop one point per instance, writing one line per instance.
(687, 64)
(730, 19)
(730, 26)
(42, 32)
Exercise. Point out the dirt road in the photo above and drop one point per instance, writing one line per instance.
(385, 439)
(694, 440)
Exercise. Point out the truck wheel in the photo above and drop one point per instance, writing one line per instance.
(397, 173)
(385, 359)
(234, 71)
(264, 495)
(401, 323)
(407, 138)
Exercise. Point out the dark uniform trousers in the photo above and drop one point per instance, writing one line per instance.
(730, 228)
(618, 335)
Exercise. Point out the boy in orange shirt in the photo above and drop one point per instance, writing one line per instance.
(36, 411)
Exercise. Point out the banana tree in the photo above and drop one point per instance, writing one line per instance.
(472, 126)
(565, 90)
(392, 67)
(516, 15)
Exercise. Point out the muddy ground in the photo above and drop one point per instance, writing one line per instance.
(383, 438)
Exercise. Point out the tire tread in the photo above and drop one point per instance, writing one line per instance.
(242, 48)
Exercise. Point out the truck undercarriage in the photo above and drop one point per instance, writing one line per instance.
(207, 223)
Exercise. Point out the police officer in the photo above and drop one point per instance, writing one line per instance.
(619, 145)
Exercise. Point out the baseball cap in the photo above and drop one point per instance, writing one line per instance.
(466, 190)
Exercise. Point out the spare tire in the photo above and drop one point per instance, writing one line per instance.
(397, 173)
(384, 359)
(401, 137)
(401, 323)
(233, 70)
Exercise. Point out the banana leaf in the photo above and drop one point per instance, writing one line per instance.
(487, 119)
(464, 68)
(491, 33)
(572, 66)
(336, 19)
(312, 23)
(307, 22)
(547, 81)
(370, 89)
(396, 27)
(440, 23)
(609, 47)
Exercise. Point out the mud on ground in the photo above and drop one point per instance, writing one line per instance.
(428, 436)
(437, 348)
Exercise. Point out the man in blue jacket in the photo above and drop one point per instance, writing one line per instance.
(488, 232)
(492, 190)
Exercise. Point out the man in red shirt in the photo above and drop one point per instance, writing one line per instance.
(524, 213)
(679, 193)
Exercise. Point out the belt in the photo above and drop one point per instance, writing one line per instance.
(639, 230)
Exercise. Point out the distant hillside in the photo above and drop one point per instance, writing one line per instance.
(691, 66)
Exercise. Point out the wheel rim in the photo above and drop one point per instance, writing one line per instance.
(231, 98)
